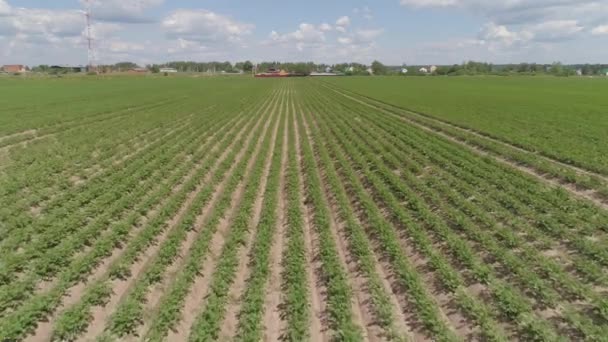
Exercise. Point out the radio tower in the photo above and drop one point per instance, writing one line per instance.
(90, 39)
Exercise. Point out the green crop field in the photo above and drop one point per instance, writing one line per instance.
(563, 118)
(353, 209)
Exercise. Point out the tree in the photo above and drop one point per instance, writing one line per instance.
(247, 66)
(379, 68)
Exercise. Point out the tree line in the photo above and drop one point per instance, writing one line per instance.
(375, 68)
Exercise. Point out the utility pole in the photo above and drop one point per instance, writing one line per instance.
(90, 39)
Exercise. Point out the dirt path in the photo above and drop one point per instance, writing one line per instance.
(230, 323)
(18, 134)
(195, 299)
(319, 330)
(588, 195)
(272, 321)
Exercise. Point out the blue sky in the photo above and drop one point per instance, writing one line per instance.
(393, 31)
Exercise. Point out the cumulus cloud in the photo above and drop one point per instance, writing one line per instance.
(526, 24)
(342, 24)
(343, 21)
(600, 30)
(305, 36)
(41, 24)
(205, 26)
(325, 27)
(5, 9)
(430, 3)
(125, 11)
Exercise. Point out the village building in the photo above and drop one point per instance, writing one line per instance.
(14, 68)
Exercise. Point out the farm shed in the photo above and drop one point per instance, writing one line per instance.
(138, 71)
(14, 68)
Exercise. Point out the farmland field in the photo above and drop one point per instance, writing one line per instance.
(205, 209)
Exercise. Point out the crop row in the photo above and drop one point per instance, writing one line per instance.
(253, 298)
(130, 311)
(171, 303)
(485, 239)
(79, 267)
(207, 324)
(294, 281)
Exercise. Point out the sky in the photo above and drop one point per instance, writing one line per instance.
(395, 32)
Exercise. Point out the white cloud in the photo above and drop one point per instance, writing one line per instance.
(305, 34)
(600, 30)
(325, 27)
(429, 3)
(5, 9)
(556, 30)
(343, 21)
(205, 26)
(127, 11)
(345, 40)
(501, 34)
(41, 25)
(119, 46)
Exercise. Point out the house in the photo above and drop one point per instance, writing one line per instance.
(272, 72)
(370, 71)
(579, 72)
(328, 70)
(168, 70)
(424, 70)
(317, 74)
(404, 71)
(14, 68)
(350, 69)
(138, 71)
(433, 69)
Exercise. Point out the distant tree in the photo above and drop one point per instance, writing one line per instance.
(557, 69)
(125, 66)
(247, 66)
(379, 68)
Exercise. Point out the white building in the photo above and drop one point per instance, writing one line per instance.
(433, 69)
(168, 70)
(424, 70)
(404, 71)
(370, 71)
